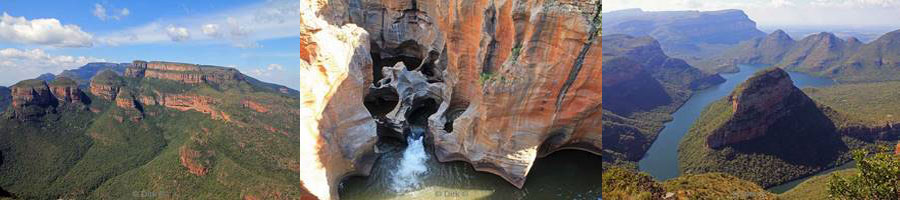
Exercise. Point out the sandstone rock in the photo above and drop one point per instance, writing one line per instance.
(337, 133)
(183, 72)
(254, 106)
(507, 81)
(898, 149)
(185, 102)
(763, 100)
(193, 160)
(66, 90)
(106, 85)
(31, 99)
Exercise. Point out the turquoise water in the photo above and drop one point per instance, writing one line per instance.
(661, 160)
(412, 172)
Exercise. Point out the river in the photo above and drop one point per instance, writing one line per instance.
(661, 160)
(412, 172)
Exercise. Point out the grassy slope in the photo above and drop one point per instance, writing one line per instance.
(866, 103)
(816, 187)
(715, 186)
(86, 154)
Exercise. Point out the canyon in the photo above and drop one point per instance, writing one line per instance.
(477, 72)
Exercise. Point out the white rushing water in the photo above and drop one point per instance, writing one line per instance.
(412, 166)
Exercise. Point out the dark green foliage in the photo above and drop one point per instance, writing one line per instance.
(878, 178)
(5, 98)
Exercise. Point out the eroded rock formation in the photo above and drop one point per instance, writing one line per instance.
(31, 99)
(499, 82)
(66, 90)
(759, 103)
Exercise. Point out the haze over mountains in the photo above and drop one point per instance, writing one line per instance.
(822, 54)
(688, 35)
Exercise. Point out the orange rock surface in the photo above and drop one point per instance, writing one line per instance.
(512, 80)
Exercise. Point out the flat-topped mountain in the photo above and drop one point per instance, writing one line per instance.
(685, 34)
(642, 82)
(822, 54)
(225, 134)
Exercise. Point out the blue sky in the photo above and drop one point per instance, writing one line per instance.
(257, 37)
(862, 14)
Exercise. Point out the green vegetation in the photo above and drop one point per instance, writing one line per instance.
(715, 186)
(622, 183)
(878, 178)
(107, 152)
(815, 188)
(862, 103)
(485, 77)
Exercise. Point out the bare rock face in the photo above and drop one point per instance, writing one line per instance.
(183, 72)
(196, 162)
(898, 149)
(31, 99)
(66, 90)
(106, 85)
(337, 133)
(759, 103)
(498, 83)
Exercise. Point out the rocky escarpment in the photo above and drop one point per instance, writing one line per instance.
(184, 73)
(822, 54)
(66, 90)
(759, 103)
(768, 122)
(689, 35)
(33, 98)
(642, 82)
(476, 73)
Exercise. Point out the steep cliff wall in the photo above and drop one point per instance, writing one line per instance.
(499, 82)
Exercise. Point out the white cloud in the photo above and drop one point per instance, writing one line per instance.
(17, 65)
(240, 27)
(43, 32)
(101, 13)
(211, 30)
(782, 3)
(124, 12)
(855, 13)
(268, 71)
(178, 34)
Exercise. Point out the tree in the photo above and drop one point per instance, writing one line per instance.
(879, 178)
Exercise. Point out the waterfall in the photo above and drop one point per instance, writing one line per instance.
(412, 166)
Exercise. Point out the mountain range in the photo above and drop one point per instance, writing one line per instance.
(160, 129)
(689, 35)
(822, 54)
(642, 86)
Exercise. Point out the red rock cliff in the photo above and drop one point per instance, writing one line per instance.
(510, 81)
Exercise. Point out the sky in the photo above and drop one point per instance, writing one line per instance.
(879, 14)
(259, 38)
